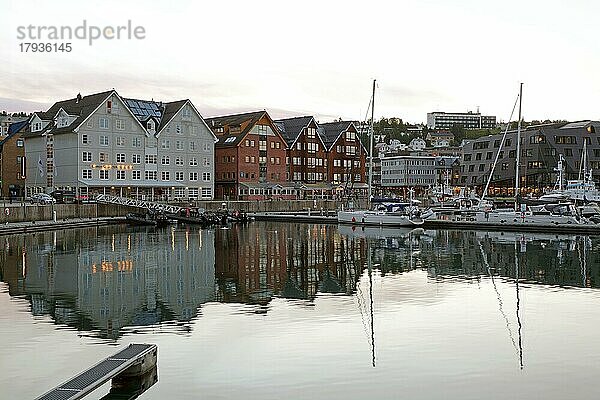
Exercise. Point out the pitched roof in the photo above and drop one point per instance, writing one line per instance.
(81, 107)
(170, 109)
(330, 131)
(13, 129)
(236, 120)
(291, 128)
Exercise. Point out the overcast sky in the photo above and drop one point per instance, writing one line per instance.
(318, 57)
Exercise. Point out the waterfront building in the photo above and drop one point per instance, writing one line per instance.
(104, 143)
(12, 161)
(404, 172)
(541, 147)
(468, 120)
(346, 159)
(306, 158)
(250, 158)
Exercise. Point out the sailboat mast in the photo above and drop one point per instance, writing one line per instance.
(518, 160)
(371, 134)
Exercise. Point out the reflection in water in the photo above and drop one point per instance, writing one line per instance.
(111, 281)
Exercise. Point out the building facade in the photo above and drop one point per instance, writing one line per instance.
(346, 158)
(468, 120)
(103, 143)
(306, 156)
(541, 147)
(12, 162)
(7, 119)
(250, 158)
(404, 172)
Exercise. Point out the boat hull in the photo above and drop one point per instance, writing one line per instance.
(376, 218)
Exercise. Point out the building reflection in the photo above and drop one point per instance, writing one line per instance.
(296, 261)
(112, 281)
(105, 281)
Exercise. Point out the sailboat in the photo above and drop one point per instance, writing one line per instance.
(544, 215)
(385, 212)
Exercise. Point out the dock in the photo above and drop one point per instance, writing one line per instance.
(133, 361)
(43, 226)
(317, 216)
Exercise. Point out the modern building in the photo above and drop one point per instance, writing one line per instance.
(104, 143)
(250, 158)
(404, 172)
(468, 120)
(541, 147)
(306, 156)
(12, 161)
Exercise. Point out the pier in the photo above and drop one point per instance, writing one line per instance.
(134, 361)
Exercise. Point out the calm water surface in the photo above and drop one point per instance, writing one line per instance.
(296, 311)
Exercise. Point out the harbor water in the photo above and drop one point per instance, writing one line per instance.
(273, 310)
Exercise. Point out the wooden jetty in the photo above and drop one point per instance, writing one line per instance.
(133, 361)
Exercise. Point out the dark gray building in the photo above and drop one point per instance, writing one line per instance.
(541, 146)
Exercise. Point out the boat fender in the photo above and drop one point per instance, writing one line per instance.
(353, 219)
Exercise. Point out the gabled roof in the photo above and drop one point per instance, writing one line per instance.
(331, 131)
(81, 107)
(170, 109)
(291, 128)
(13, 129)
(236, 120)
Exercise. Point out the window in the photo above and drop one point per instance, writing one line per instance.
(192, 146)
(471, 168)
(262, 145)
(478, 156)
(120, 141)
(136, 175)
(262, 129)
(120, 157)
(104, 140)
(165, 144)
(512, 154)
(480, 145)
(86, 156)
(206, 176)
(86, 174)
(150, 158)
(165, 176)
(20, 142)
(186, 113)
(84, 139)
(165, 160)
(467, 157)
(193, 176)
(119, 125)
(179, 145)
(150, 175)
(206, 193)
(177, 128)
(104, 174)
(150, 125)
(179, 161)
(193, 162)
(136, 142)
(488, 155)
(103, 157)
(565, 139)
(568, 152)
(178, 176)
(507, 142)
(121, 175)
(103, 123)
(481, 167)
(206, 161)
(136, 159)
(193, 193)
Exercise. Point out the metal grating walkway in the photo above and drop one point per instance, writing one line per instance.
(97, 375)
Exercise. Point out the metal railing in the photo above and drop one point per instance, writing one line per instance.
(126, 201)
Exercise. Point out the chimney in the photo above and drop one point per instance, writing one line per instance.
(78, 98)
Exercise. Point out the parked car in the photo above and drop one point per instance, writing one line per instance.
(62, 196)
(42, 198)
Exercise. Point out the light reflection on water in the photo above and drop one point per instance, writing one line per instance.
(270, 310)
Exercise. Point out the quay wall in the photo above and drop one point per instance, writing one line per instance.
(25, 212)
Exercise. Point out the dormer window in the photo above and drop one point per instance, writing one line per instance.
(36, 127)
(150, 125)
(63, 121)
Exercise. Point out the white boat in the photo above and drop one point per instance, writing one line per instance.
(522, 214)
(581, 189)
(393, 214)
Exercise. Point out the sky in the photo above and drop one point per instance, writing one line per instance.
(316, 57)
